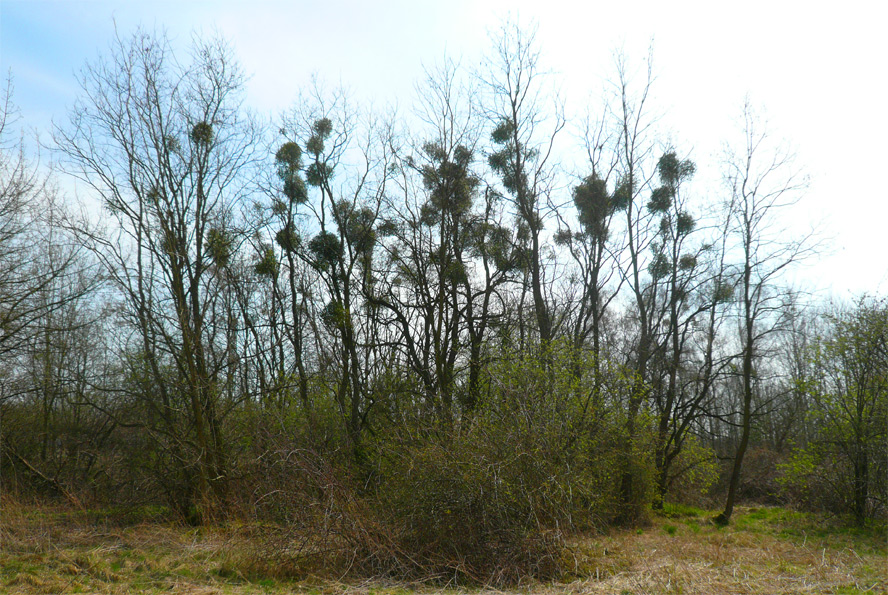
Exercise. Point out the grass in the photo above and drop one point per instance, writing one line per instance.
(764, 550)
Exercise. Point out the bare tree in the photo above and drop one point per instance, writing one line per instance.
(168, 149)
(762, 181)
(44, 279)
(341, 207)
(688, 273)
(593, 279)
(35, 253)
(630, 112)
(526, 123)
(447, 252)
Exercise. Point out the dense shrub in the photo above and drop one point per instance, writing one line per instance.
(488, 500)
(493, 501)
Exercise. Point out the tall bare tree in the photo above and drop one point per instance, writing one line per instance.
(341, 208)
(633, 149)
(763, 182)
(526, 124)
(168, 149)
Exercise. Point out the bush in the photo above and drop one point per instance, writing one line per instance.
(816, 479)
(487, 500)
(492, 502)
(471, 509)
(694, 472)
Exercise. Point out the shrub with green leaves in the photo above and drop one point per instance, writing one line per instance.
(844, 466)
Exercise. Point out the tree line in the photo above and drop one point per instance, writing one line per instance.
(396, 327)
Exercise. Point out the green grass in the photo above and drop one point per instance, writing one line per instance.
(824, 531)
(681, 511)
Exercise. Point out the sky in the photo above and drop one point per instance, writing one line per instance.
(818, 70)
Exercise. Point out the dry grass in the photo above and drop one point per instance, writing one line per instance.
(692, 557)
(766, 551)
(53, 551)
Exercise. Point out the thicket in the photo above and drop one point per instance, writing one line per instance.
(417, 346)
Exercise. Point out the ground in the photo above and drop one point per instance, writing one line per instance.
(765, 550)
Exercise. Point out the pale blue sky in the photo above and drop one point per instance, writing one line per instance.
(818, 70)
